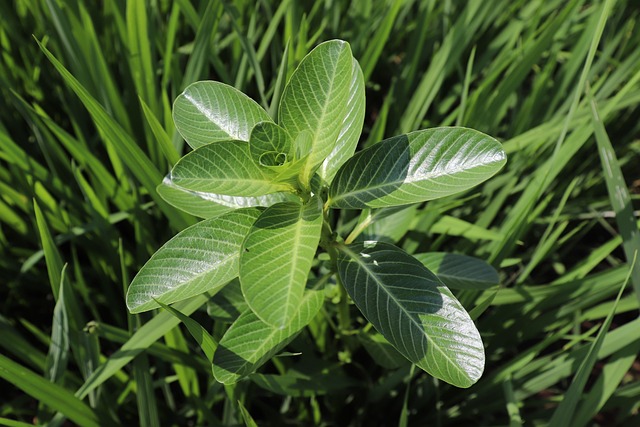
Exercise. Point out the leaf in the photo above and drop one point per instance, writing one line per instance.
(227, 304)
(413, 310)
(460, 271)
(351, 127)
(270, 145)
(416, 167)
(210, 205)
(315, 99)
(249, 342)
(210, 111)
(201, 258)
(225, 168)
(50, 394)
(276, 259)
(383, 353)
(206, 342)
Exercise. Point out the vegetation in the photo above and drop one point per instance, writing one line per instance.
(87, 134)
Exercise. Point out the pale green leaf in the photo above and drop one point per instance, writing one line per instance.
(315, 100)
(210, 205)
(201, 258)
(351, 127)
(460, 271)
(210, 111)
(276, 259)
(416, 167)
(413, 310)
(225, 168)
(249, 342)
(270, 145)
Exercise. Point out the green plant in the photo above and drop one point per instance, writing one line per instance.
(271, 194)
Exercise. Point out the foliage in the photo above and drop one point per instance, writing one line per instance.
(248, 158)
(87, 134)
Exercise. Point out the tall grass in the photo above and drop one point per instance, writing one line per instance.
(86, 134)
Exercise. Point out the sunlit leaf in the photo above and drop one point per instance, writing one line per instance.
(270, 145)
(250, 342)
(415, 167)
(351, 127)
(315, 100)
(210, 205)
(225, 168)
(276, 259)
(211, 111)
(413, 310)
(201, 258)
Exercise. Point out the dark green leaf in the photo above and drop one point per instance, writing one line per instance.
(413, 310)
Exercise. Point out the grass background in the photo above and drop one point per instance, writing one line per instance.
(86, 134)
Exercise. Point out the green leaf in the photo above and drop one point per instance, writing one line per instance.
(276, 259)
(416, 167)
(225, 168)
(315, 100)
(250, 342)
(227, 304)
(48, 393)
(413, 310)
(58, 355)
(351, 127)
(270, 145)
(460, 271)
(201, 258)
(197, 331)
(383, 353)
(209, 111)
(210, 205)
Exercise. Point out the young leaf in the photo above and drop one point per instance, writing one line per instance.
(209, 111)
(276, 258)
(413, 310)
(351, 127)
(201, 258)
(416, 167)
(460, 271)
(270, 145)
(249, 342)
(225, 168)
(315, 100)
(210, 205)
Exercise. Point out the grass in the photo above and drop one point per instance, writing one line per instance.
(86, 134)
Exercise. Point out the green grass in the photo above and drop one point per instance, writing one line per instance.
(86, 135)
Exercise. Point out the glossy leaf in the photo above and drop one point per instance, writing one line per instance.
(416, 167)
(250, 342)
(225, 168)
(460, 271)
(351, 127)
(201, 258)
(210, 205)
(413, 310)
(210, 111)
(270, 145)
(316, 98)
(276, 259)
